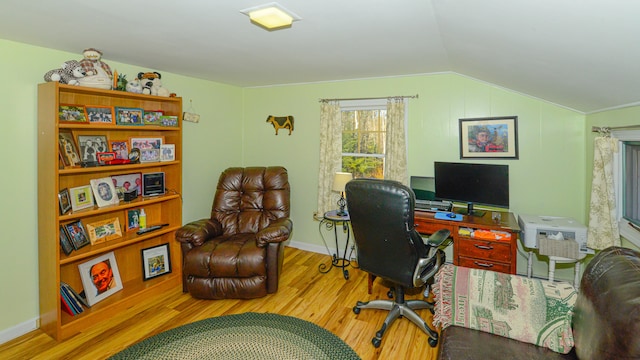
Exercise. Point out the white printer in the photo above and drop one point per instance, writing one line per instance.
(552, 230)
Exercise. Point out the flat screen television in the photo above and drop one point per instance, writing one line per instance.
(485, 184)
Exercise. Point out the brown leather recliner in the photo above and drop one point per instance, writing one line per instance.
(238, 252)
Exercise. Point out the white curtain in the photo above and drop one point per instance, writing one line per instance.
(603, 225)
(395, 162)
(330, 154)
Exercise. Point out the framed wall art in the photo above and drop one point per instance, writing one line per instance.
(97, 114)
(129, 116)
(81, 197)
(105, 191)
(156, 261)
(104, 230)
(100, 278)
(76, 234)
(71, 113)
(489, 138)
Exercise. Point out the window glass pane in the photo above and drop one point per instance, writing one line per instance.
(631, 184)
(361, 166)
(363, 142)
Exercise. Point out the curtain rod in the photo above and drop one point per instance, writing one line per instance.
(607, 129)
(373, 98)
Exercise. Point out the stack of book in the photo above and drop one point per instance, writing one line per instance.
(72, 302)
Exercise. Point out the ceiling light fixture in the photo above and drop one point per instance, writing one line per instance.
(271, 16)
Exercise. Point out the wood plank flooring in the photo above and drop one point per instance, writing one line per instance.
(324, 299)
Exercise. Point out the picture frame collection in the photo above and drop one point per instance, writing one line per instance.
(114, 115)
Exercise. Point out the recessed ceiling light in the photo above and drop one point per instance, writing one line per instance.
(271, 16)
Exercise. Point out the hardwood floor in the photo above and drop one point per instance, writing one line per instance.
(324, 299)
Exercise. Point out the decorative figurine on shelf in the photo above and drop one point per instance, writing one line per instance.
(152, 84)
(134, 86)
(281, 122)
(69, 73)
(119, 81)
(98, 73)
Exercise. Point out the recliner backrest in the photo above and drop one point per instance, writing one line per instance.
(248, 199)
(382, 219)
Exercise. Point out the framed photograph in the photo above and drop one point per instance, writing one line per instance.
(90, 146)
(152, 117)
(81, 197)
(64, 200)
(156, 261)
(68, 148)
(169, 120)
(105, 157)
(127, 183)
(76, 234)
(167, 152)
(121, 148)
(129, 116)
(149, 148)
(104, 230)
(65, 243)
(105, 191)
(72, 113)
(97, 114)
(133, 220)
(149, 155)
(489, 138)
(100, 278)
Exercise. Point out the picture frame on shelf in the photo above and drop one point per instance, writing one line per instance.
(104, 230)
(168, 152)
(105, 157)
(90, 146)
(65, 243)
(76, 234)
(81, 197)
(68, 148)
(127, 183)
(153, 184)
(100, 278)
(64, 200)
(489, 138)
(149, 155)
(99, 114)
(105, 191)
(149, 148)
(68, 113)
(129, 116)
(156, 261)
(169, 121)
(152, 117)
(133, 220)
(121, 148)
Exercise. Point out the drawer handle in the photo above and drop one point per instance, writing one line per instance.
(483, 264)
(483, 247)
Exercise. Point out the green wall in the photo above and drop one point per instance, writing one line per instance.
(549, 178)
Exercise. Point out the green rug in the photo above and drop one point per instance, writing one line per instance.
(243, 336)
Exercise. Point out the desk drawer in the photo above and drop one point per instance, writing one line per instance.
(484, 264)
(428, 228)
(483, 249)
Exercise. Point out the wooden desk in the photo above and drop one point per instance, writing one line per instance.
(496, 255)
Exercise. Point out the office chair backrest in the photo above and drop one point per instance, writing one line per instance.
(382, 220)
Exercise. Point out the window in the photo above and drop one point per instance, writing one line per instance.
(627, 183)
(364, 126)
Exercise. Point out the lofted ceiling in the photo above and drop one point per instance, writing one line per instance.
(580, 54)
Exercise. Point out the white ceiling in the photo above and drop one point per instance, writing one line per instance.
(581, 54)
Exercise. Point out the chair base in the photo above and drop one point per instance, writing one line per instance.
(399, 308)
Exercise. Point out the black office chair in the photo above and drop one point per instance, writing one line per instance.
(389, 247)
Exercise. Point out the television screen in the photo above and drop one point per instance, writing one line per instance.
(486, 184)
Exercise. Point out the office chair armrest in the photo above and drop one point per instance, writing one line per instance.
(199, 231)
(437, 238)
(278, 231)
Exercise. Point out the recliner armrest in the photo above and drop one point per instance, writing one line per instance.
(277, 231)
(198, 232)
(437, 238)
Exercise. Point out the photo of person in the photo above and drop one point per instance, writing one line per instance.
(490, 137)
(68, 148)
(487, 138)
(104, 191)
(156, 261)
(127, 183)
(100, 277)
(100, 114)
(90, 145)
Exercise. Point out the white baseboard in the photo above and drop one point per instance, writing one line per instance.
(18, 330)
(310, 247)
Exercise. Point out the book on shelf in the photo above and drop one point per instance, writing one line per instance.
(65, 307)
(73, 304)
(78, 296)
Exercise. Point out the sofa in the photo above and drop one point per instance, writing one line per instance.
(604, 320)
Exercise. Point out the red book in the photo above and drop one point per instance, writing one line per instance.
(65, 306)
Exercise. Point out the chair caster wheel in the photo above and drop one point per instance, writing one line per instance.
(378, 335)
(356, 310)
(433, 342)
(376, 342)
